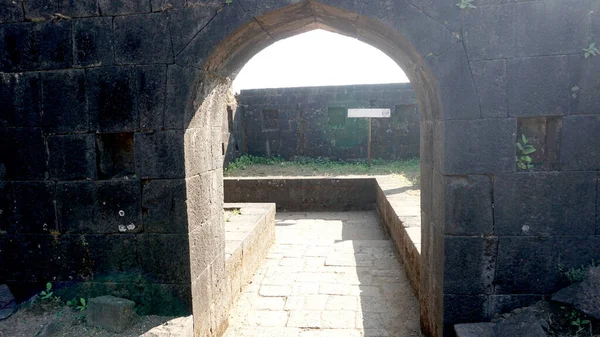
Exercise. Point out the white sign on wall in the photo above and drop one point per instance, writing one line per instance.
(369, 113)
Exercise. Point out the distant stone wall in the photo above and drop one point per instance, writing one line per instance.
(312, 122)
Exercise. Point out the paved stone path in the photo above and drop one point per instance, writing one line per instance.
(328, 274)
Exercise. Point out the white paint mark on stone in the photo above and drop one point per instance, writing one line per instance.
(122, 213)
(122, 228)
(525, 228)
(131, 226)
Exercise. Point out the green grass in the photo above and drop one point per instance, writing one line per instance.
(277, 166)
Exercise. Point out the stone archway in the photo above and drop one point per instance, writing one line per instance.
(433, 58)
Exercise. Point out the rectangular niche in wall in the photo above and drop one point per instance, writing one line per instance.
(270, 119)
(337, 116)
(543, 133)
(115, 155)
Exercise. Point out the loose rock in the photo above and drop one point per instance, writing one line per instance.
(7, 302)
(583, 296)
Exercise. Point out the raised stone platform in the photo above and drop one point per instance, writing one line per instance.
(248, 235)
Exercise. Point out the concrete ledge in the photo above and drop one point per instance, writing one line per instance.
(400, 212)
(248, 236)
(304, 194)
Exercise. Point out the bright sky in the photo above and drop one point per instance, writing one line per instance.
(318, 58)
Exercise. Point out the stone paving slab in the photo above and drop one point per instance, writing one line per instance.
(328, 275)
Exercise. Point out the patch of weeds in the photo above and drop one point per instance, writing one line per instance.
(231, 212)
(47, 294)
(465, 4)
(575, 275)
(244, 161)
(523, 158)
(80, 304)
(591, 50)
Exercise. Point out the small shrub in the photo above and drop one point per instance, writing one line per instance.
(47, 294)
(523, 158)
(591, 50)
(575, 275)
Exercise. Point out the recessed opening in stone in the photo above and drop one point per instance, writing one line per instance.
(115, 155)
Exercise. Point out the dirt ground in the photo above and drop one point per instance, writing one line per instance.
(47, 318)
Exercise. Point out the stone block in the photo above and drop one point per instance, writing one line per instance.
(142, 39)
(181, 84)
(475, 330)
(584, 296)
(120, 7)
(35, 46)
(75, 206)
(585, 87)
(198, 156)
(465, 308)
(110, 313)
(535, 91)
(7, 302)
(181, 326)
(470, 264)
(160, 154)
(93, 42)
(152, 250)
(476, 146)
(112, 99)
(527, 265)
(467, 205)
(491, 83)
(578, 251)
(32, 210)
(164, 5)
(72, 157)
(454, 80)
(489, 32)
(21, 96)
(115, 155)
(579, 139)
(11, 11)
(185, 23)
(526, 203)
(151, 93)
(114, 257)
(163, 205)
(553, 27)
(501, 304)
(198, 190)
(64, 101)
(118, 206)
(42, 9)
(22, 154)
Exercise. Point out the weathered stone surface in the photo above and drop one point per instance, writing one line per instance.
(468, 205)
(142, 39)
(162, 211)
(489, 32)
(475, 330)
(585, 87)
(534, 91)
(112, 99)
(584, 296)
(579, 149)
(41, 9)
(120, 7)
(153, 248)
(519, 271)
(470, 264)
(21, 94)
(160, 154)
(181, 84)
(110, 313)
(554, 27)
(522, 324)
(32, 210)
(72, 157)
(476, 146)
(75, 205)
(118, 206)
(64, 101)
(151, 93)
(461, 308)
(184, 24)
(93, 42)
(454, 80)
(491, 83)
(518, 211)
(22, 154)
(10, 11)
(164, 5)
(35, 46)
(182, 326)
(7, 302)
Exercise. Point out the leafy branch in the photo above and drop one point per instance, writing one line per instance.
(525, 149)
(465, 4)
(592, 50)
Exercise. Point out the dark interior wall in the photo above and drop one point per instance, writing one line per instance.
(79, 95)
(312, 122)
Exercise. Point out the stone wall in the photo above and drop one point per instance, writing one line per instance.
(312, 122)
(118, 106)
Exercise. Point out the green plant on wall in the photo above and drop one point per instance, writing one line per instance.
(465, 4)
(591, 50)
(523, 158)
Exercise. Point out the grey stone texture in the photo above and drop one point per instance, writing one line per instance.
(312, 122)
(129, 70)
(8, 304)
(583, 296)
(110, 313)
